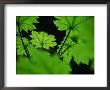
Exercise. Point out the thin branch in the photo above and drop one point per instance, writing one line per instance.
(26, 50)
(42, 43)
(66, 35)
(64, 41)
(64, 51)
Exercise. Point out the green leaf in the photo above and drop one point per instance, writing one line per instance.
(41, 63)
(74, 35)
(43, 40)
(82, 53)
(66, 50)
(83, 49)
(86, 31)
(19, 45)
(68, 22)
(23, 66)
(26, 22)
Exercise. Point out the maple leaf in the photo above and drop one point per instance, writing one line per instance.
(26, 22)
(82, 53)
(43, 40)
(41, 63)
(66, 50)
(83, 49)
(68, 22)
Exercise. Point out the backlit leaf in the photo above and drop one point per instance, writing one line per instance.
(68, 22)
(26, 22)
(43, 40)
(41, 63)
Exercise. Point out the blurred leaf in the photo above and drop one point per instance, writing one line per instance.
(74, 36)
(41, 63)
(43, 40)
(84, 51)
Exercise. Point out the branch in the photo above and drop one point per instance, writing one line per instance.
(64, 41)
(26, 50)
(64, 51)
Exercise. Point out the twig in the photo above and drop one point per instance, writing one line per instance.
(26, 50)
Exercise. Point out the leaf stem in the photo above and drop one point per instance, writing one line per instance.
(26, 50)
(66, 35)
(64, 51)
(64, 41)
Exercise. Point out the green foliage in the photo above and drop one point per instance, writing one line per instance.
(41, 63)
(43, 40)
(66, 50)
(26, 22)
(33, 55)
(84, 50)
(23, 23)
(68, 22)
(80, 42)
